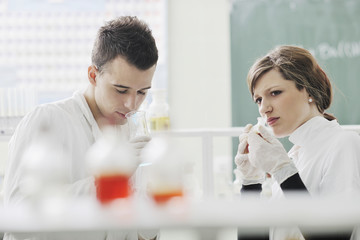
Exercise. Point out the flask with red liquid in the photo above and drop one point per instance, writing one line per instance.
(112, 161)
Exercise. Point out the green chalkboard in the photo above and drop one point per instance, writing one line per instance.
(330, 29)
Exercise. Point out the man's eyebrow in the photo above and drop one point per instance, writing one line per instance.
(122, 86)
(146, 88)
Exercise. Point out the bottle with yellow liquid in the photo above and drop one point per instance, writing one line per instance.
(159, 111)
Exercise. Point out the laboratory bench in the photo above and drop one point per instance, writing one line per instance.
(204, 216)
(207, 216)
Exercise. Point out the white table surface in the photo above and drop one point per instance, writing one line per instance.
(85, 215)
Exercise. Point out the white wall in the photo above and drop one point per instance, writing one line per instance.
(199, 77)
(199, 63)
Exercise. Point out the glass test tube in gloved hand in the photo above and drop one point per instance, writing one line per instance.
(137, 124)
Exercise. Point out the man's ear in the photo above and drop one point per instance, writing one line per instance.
(92, 71)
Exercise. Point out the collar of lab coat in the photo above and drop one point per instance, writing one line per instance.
(85, 109)
(310, 129)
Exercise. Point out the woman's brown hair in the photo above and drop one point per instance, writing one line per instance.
(298, 65)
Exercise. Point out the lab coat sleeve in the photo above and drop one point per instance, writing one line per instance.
(26, 133)
(133, 235)
(341, 174)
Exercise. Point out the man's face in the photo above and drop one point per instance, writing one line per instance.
(119, 89)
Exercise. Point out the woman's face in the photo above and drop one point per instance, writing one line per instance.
(284, 107)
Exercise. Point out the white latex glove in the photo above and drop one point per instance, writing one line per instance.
(267, 153)
(250, 174)
(139, 143)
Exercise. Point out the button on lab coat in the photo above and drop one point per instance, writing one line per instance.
(76, 130)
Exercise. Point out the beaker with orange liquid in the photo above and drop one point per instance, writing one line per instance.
(165, 181)
(112, 161)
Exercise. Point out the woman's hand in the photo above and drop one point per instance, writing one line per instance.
(267, 153)
(250, 174)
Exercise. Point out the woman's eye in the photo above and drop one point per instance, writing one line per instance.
(141, 92)
(275, 93)
(258, 100)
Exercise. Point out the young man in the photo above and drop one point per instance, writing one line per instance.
(124, 59)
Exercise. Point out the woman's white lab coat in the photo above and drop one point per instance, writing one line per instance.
(76, 130)
(328, 160)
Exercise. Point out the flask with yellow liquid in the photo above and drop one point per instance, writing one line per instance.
(159, 111)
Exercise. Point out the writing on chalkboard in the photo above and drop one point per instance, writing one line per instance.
(343, 49)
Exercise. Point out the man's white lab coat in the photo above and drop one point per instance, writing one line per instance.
(76, 130)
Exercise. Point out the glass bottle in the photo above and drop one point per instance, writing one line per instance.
(158, 111)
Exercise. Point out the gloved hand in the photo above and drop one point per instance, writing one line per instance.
(267, 153)
(139, 143)
(250, 174)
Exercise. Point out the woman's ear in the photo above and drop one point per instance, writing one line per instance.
(92, 71)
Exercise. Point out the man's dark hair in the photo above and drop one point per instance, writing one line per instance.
(127, 37)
